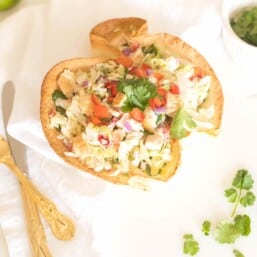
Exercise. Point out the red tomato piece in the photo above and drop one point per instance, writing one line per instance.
(124, 60)
(137, 114)
(174, 89)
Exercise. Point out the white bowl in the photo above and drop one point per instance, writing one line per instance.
(241, 52)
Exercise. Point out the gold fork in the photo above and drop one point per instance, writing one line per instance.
(61, 226)
(35, 227)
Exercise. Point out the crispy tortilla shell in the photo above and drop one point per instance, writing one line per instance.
(49, 85)
(108, 35)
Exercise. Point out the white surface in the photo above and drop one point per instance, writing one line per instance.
(3, 245)
(117, 221)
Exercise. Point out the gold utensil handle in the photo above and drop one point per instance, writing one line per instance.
(61, 226)
(35, 227)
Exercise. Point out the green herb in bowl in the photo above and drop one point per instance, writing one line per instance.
(244, 24)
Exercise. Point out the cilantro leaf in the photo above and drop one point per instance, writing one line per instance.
(61, 110)
(237, 253)
(243, 224)
(181, 125)
(248, 199)
(231, 194)
(191, 246)
(150, 49)
(58, 94)
(226, 233)
(160, 119)
(243, 180)
(138, 92)
(206, 226)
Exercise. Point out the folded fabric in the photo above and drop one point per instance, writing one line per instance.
(118, 220)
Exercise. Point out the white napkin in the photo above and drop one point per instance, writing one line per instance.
(114, 221)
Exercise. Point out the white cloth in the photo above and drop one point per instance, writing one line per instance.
(111, 220)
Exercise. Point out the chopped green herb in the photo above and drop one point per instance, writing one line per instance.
(61, 110)
(115, 160)
(191, 246)
(237, 253)
(59, 128)
(148, 170)
(181, 125)
(58, 94)
(160, 119)
(151, 49)
(146, 133)
(138, 92)
(206, 227)
(244, 25)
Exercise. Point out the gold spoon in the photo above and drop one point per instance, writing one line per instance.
(61, 226)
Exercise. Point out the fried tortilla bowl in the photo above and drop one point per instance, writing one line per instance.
(170, 45)
(49, 85)
(108, 35)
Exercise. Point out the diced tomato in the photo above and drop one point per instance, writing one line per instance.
(109, 99)
(158, 75)
(162, 91)
(141, 71)
(137, 114)
(174, 89)
(95, 99)
(160, 100)
(157, 102)
(134, 47)
(104, 140)
(101, 111)
(95, 120)
(124, 60)
(198, 73)
(112, 86)
(145, 66)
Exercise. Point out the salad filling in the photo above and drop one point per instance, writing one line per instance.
(122, 115)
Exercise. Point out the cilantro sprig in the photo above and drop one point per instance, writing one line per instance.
(228, 230)
(138, 92)
(191, 246)
(182, 124)
(239, 192)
